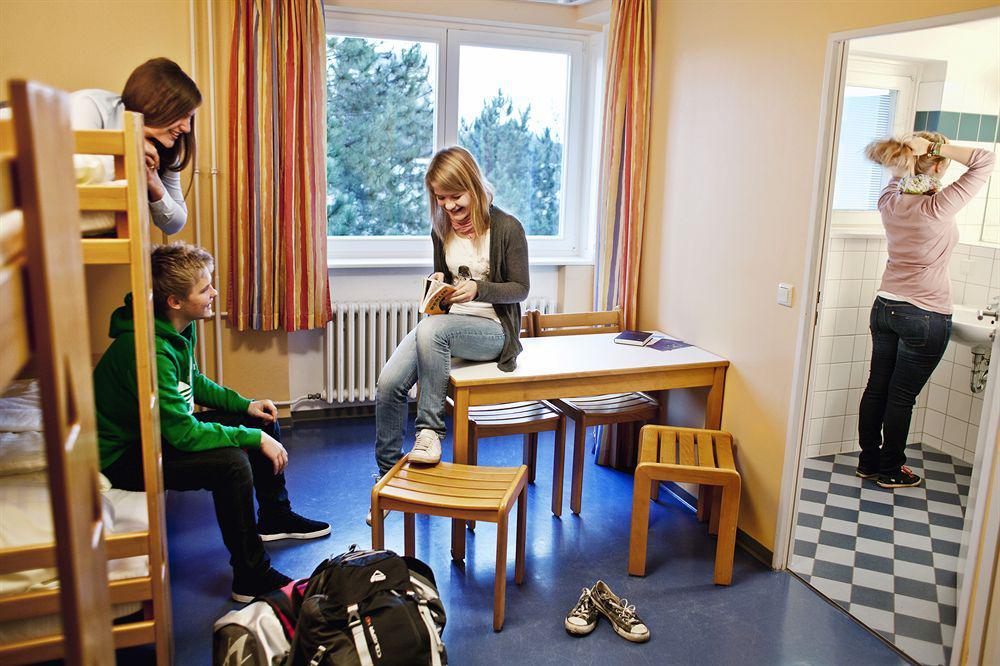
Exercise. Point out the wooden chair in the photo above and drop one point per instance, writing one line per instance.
(523, 418)
(609, 409)
(465, 492)
(687, 455)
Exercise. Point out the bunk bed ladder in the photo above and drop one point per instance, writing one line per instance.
(158, 609)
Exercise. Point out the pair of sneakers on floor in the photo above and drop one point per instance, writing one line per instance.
(288, 526)
(903, 478)
(600, 600)
(426, 451)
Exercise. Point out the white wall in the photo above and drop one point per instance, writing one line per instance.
(947, 413)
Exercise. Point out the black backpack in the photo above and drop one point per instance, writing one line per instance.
(369, 608)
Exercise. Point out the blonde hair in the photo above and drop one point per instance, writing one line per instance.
(896, 155)
(455, 170)
(176, 268)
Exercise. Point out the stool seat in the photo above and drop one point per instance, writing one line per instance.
(688, 455)
(463, 492)
(611, 403)
(450, 486)
(522, 413)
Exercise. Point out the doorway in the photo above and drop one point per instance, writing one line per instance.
(893, 559)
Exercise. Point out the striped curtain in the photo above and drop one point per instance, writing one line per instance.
(277, 155)
(624, 145)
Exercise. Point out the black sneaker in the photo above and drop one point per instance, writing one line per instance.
(904, 478)
(618, 611)
(583, 618)
(291, 526)
(246, 588)
(864, 474)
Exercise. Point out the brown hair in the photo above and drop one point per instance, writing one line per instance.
(896, 155)
(455, 170)
(175, 268)
(161, 91)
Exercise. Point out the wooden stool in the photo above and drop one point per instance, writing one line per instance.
(687, 455)
(465, 492)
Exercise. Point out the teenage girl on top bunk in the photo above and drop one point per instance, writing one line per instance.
(483, 251)
(167, 98)
(911, 318)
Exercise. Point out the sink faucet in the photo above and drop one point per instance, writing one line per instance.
(991, 310)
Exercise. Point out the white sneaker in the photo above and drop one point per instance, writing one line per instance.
(427, 448)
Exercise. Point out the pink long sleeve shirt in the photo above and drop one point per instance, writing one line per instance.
(921, 234)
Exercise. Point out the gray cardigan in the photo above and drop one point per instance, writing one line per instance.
(508, 282)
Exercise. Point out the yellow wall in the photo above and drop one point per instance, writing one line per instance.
(734, 131)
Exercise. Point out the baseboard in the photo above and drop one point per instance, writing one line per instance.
(756, 549)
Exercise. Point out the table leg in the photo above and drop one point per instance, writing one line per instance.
(460, 439)
(662, 398)
(713, 409)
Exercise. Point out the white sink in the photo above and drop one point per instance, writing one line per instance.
(966, 329)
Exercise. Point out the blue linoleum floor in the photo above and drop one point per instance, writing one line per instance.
(765, 617)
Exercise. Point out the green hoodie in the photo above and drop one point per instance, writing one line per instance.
(181, 387)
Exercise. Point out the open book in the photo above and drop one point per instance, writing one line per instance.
(435, 298)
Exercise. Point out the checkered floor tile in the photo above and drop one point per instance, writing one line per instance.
(888, 557)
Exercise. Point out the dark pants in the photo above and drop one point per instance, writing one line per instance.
(232, 474)
(907, 343)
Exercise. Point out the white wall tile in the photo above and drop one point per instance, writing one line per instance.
(840, 376)
(855, 244)
(960, 377)
(971, 438)
(822, 379)
(854, 264)
(959, 405)
(860, 343)
(836, 403)
(955, 431)
(849, 294)
(815, 432)
(843, 349)
(942, 374)
(833, 430)
(975, 294)
(937, 398)
(817, 404)
(859, 374)
(834, 265)
(976, 415)
(846, 321)
(824, 349)
(854, 400)
(934, 423)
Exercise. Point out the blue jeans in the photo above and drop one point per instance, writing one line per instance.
(424, 356)
(907, 343)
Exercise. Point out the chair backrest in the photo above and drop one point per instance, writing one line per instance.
(577, 323)
(528, 324)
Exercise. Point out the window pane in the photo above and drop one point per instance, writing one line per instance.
(512, 115)
(380, 135)
(868, 115)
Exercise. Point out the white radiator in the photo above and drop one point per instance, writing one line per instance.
(362, 336)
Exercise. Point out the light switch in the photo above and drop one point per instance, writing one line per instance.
(785, 294)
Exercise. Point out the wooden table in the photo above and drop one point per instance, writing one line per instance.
(576, 366)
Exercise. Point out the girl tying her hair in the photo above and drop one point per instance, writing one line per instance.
(911, 318)
(167, 98)
(481, 250)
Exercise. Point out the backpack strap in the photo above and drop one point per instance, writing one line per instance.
(358, 632)
(432, 632)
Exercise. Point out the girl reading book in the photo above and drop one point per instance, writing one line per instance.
(483, 253)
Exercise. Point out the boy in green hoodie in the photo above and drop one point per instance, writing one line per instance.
(233, 451)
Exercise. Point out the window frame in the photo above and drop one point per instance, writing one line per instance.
(573, 245)
(876, 72)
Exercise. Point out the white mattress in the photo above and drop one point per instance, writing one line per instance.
(26, 514)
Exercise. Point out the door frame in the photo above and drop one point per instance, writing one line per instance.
(982, 561)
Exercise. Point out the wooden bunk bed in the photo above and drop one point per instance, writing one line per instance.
(45, 324)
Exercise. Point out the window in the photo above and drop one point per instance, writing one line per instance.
(397, 92)
(878, 102)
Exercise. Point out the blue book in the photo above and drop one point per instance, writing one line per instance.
(637, 338)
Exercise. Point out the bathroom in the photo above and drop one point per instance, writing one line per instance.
(892, 560)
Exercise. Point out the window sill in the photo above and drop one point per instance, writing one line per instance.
(401, 262)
